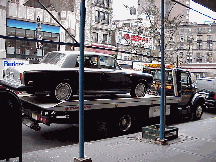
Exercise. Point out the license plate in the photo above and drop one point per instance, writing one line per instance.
(34, 116)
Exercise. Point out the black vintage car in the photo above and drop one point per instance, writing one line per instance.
(58, 75)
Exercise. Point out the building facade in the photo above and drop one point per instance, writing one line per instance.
(29, 22)
(195, 43)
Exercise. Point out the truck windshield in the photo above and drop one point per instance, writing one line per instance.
(52, 58)
(157, 75)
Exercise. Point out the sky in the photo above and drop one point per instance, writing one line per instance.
(122, 13)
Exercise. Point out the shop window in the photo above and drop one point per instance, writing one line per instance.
(20, 45)
(10, 43)
(30, 47)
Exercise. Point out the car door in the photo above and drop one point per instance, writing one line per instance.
(92, 75)
(112, 76)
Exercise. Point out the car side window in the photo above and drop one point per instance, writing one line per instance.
(91, 61)
(107, 62)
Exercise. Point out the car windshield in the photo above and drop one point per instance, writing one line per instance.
(52, 58)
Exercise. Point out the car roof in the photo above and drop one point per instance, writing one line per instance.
(85, 52)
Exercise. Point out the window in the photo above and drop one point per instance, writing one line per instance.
(107, 18)
(102, 17)
(199, 30)
(181, 54)
(198, 58)
(91, 61)
(209, 57)
(95, 37)
(185, 79)
(126, 24)
(181, 38)
(199, 37)
(107, 62)
(97, 16)
(106, 3)
(20, 45)
(105, 36)
(199, 45)
(209, 37)
(209, 46)
(101, 2)
(181, 46)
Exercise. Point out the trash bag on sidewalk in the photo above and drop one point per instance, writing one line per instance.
(11, 125)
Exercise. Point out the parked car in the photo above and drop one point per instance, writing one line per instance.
(58, 75)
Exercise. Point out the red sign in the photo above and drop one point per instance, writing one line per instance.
(135, 38)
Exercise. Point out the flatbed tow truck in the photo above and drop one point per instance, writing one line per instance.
(109, 113)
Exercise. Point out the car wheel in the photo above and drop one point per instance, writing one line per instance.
(139, 90)
(63, 91)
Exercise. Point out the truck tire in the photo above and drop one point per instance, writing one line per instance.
(138, 90)
(197, 111)
(125, 123)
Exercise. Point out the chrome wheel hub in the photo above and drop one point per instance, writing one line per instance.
(140, 90)
(63, 91)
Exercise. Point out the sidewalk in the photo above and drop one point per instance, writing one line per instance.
(196, 142)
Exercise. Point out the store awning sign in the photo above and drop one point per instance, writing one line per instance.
(130, 38)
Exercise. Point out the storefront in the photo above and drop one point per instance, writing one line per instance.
(26, 49)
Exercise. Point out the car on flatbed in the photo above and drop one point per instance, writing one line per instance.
(57, 75)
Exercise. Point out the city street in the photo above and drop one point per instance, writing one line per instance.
(58, 135)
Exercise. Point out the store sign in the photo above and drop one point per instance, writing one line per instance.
(14, 62)
(129, 38)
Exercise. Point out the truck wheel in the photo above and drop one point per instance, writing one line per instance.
(125, 123)
(63, 91)
(139, 90)
(197, 111)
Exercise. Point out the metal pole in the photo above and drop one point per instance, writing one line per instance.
(81, 80)
(162, 101)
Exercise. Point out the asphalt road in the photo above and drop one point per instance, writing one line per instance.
(58, 135)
